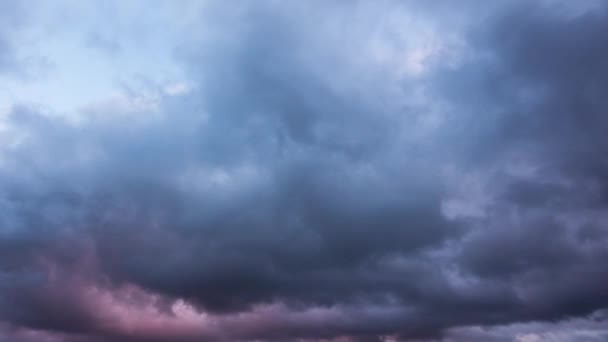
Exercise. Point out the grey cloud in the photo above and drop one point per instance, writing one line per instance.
(294, 175)
(11, 20)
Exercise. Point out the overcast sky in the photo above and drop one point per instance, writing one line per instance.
(299, 171)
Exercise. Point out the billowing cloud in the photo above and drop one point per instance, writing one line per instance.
(322, 171)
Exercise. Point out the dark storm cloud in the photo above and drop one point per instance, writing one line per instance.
(289, 196)
(557, 63)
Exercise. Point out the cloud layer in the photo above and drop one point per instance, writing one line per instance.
(324, 171)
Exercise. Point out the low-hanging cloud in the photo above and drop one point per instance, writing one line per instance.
(329, 171)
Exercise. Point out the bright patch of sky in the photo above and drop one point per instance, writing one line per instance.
(76, 53)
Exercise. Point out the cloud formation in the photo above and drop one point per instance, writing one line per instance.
(323, 171)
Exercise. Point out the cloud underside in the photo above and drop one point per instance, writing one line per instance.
(327, 176)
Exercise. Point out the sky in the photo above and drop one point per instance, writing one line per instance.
(299, 171)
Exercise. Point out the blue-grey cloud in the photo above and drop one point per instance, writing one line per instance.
(321, 179)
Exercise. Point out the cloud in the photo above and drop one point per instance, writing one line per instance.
(322, 175)
(590, 328)
(12, 17)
